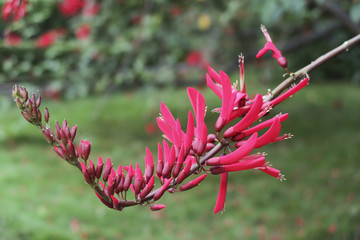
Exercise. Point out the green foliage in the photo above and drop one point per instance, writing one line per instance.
(137, 43)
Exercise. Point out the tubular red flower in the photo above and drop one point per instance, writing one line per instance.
(109, 205)
(129, 178)
(165, 129)
(249, 118)
(270, 134)
(85, 149)
(185, 172)
(272, 172)
(160, 162)
(269, 46)
(189, 133)
(157, 207)
(226, 107)
(85, 173)
(99, 168)
(107, 170)
(242, 73)
(167, 116)
(290, 92)
(48, 136)
(220, 202)
(149, 165)
(111, 183)
(236, 155)
(178, 163)
(193, 183)
(214, 75)
(240, 166)
(169, 162)
(92, 169)
(216, 89)
(138, 179)
(162, 189)
(259, 127)
(148, 187)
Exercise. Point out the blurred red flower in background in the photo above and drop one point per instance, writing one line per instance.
(195, 58)
(12, 39)
(90, 9)
(83, 31)
(17, 8)
(49, 38)
(69, 8)
(150, 128)
(175, 11)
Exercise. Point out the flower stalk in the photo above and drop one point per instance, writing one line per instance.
(183, 154)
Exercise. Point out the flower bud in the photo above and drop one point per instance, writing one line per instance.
(46, 115)
(99, 168)
(148, 187)
(162, 189)
(48, 136)
(85, 149)
(157, 207)
(38, 102)
(86, 173)
(107, 170)
(193, 183)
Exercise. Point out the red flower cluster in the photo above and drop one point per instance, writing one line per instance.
(14, 8)
(181, 154)
(48, 38)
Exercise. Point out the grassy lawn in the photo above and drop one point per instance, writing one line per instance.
(44, 198)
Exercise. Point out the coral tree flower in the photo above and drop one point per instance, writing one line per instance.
(188, 150)
(237, 104)
(14, 8)
(269, 46)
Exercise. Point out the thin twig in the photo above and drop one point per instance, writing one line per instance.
(319, 61)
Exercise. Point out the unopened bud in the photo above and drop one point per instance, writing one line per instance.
(46, 115)
(15, 91)
(99, 168)
(48, 136)
(38, 101)
(282, 62)
(157, 207)
(86, 173)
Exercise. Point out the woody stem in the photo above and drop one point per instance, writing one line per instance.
(319, 61)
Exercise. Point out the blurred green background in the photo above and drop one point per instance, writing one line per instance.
(140, 53)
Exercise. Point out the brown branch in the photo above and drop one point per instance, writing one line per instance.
(319, 61)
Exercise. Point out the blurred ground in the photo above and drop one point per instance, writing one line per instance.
(44, 198)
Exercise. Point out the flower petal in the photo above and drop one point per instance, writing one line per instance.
(220, 202)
